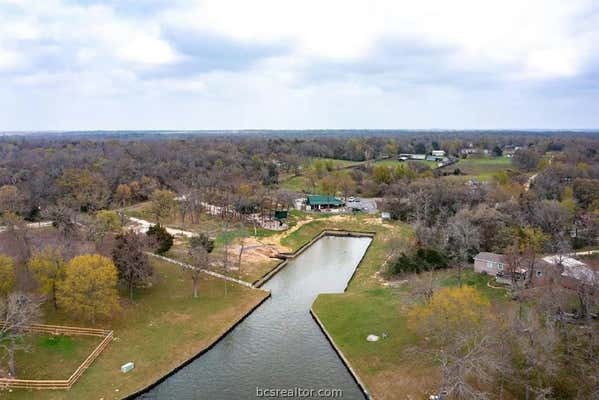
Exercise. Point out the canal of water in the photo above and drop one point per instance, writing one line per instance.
(279, 346)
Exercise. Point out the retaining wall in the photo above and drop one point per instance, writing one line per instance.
(302, 248)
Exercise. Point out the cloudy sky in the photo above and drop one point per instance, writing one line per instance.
(220, 64)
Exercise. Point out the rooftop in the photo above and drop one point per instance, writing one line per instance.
(317, 199)
(493, 257)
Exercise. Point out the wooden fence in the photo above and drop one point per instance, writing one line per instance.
(39, 384)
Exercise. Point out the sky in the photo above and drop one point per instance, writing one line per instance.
(278, 64)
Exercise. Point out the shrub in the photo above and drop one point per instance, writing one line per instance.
(162, 239)
(422, 260)
(202, 240)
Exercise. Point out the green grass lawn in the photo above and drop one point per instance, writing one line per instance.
(337, 163)
(482, 168)
(393, 367)
(296, 184)
(53, 357)
(353, 316)
(395, 163)
(162, 328)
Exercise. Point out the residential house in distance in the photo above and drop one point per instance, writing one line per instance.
(496, 265)
(509, 150)
(410, 156)
(470, 151)
(568, 271)
(323, 202)
(438, 153)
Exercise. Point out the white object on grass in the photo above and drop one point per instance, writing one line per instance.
(372, 338)
(127, 367)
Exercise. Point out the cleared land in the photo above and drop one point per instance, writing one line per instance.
(394, 163)
(301, 184)
(482, 168)
(162, 328)
(257, 255)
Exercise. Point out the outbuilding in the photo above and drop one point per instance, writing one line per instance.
(321, 202)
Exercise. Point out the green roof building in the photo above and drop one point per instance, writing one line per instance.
(319, 202)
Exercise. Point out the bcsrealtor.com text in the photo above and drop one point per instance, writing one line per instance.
(298, 392)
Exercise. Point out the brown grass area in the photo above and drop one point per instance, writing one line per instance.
(405, 382)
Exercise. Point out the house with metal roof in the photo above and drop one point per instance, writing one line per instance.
(323, 202)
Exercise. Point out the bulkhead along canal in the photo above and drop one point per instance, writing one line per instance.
(279, 346)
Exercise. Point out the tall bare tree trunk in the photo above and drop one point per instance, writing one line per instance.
(195, 280)
(11, 358)
(241, 248)
(54, 301)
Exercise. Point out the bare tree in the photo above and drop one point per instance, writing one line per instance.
(201, 259)
(583, 353)
(131, 262)
(424, 285)
(463, 240)
(468, 358)
(536, 341)
(64, 220)
(19, 235)
(18, 311)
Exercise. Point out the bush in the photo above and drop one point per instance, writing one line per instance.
(422, 260)
(161, 238)
(202, 240)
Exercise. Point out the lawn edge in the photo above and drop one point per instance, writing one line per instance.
(342, 356)
(200, 352)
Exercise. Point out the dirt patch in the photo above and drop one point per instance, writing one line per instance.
(275, 240)
(255, 250)
(178, 317)
(403, 382)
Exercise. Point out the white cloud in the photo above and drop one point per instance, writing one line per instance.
(513, 33)
(10, 59)
(344, 63)
(86, 30)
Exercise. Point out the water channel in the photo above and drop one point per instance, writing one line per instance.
(279, 346)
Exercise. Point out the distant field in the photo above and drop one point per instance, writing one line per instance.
(482, 168)
(337, 162)
(295, 184)
(300, 183)
(393, 163)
